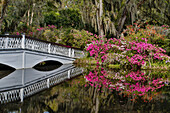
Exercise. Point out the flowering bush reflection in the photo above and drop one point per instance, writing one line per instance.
(134, 83)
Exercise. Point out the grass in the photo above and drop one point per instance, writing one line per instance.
(156, 66)
(92, 61)
(89, 61)
(114, 66)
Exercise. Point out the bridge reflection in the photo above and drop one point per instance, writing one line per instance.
(26, 82)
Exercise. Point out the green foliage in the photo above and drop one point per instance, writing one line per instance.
(75, 38)
(156, 11)
(65, 36)
(49, 35)
(51, 17)
(64, 18)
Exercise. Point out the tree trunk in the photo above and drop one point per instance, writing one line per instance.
(101, 31)
(28, 18)
(99, 14)
(97, 105)
(122, 19)
(32, 14)
(3, 11)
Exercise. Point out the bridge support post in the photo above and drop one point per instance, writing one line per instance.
(68, 74)
(69, 53)
(23, 41)
(33, 45)
(49, 46)
(5, 94)
(22, 94)
(6, 42)
(72, 52)
(48, 83)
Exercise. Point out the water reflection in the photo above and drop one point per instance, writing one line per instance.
(25, 82)
(133, 84)
(102, 90)
(5, 70)
(47, 66)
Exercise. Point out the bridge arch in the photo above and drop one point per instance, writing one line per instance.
(51, 62)
(36, 62)
(47, 65)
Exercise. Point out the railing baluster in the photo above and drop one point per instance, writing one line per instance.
(23, 41)
(68, 74)
(48, 83)
(55, 50)
(5, 94)
(69, 53)
(49, 48)
(22, 94)
(72, 52)
(6, 42)
(33, 45)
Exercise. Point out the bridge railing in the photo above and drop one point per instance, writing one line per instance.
(24, 42)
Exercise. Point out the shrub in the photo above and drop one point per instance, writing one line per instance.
(154, 34)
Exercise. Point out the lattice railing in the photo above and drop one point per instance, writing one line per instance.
(55, 49)
(2, 43)
(57, 79)
(10, 43)
(76, 71)
(22, 42)
(78, 53)
(9, 96)
(32, 89)
(36, 45)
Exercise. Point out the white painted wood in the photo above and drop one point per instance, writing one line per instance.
(22, 94)
(68, 74)
(23, 41)
(49, 48)
(69, 54)
(72, 53)
(48, 83)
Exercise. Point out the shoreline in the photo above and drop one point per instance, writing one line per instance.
(89, 61)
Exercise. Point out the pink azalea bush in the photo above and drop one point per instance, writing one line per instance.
(98, 78)
(137, 53)
(142, 52)
(100, 48)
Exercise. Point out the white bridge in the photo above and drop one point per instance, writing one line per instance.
(25, 52)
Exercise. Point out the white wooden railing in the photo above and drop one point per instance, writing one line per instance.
(23, 42)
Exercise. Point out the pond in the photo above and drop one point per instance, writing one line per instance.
(96, 90)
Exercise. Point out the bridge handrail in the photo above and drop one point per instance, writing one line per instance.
(20, 36)
(26, 42)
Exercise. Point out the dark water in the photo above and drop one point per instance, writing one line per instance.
(101, 90)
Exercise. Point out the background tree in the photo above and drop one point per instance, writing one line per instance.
(3, 7)
(104, 17)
